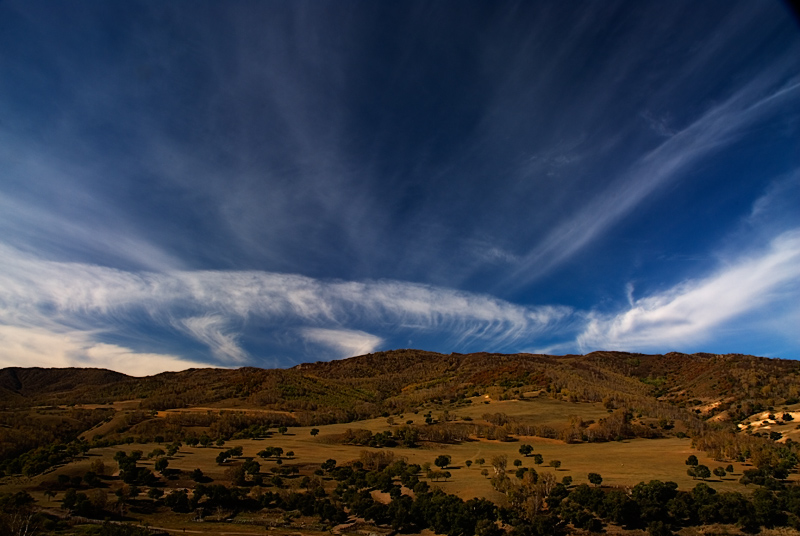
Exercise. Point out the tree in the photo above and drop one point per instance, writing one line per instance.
(692, 460)
(468, 463)
(595, 478)
(98, 467)
(314, 431)
(282, 430)
(729, 469)
(720, 472)
(525, 450)
(567, 481)
(251, 467)
(480, 461)
(555, 464)
(517, 463)
(197, 475)
(91, 479)
(499, 463)
(702, 471)
(442, 461)
(161, 465)
(484, 472)
(538, 459)
(328, 465)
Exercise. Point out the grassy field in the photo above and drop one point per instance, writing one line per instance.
(622, 464)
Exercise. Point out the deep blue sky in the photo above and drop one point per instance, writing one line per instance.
(267, 183)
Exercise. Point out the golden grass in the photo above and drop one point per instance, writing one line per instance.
(621, 464)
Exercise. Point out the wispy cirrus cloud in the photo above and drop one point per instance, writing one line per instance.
(215, 332)
(694, 311)
(347, 341)
(717, 127)
(213, 307)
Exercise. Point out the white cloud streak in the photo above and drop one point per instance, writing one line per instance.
(716, 128)
(692, 311)
(348, 342)
(215, 332)
(208, 305)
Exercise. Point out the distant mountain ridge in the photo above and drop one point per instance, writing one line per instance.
(404, 377)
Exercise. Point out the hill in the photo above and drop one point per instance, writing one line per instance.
(261, 436)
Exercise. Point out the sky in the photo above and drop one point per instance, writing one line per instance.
(192, 183)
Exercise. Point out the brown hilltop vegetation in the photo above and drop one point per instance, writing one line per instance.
(399, 377)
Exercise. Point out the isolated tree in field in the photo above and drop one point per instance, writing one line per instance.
(517, 463)
(719, 471)
(555, 464)
(787, 417)
(729, 469)
(525, 450)
(595, 478)
(692, 460)
(314, 431)
(98, 467)
(499, 463)
(538, 459)
(468, 463)
(161, 465)
(282, 430)
(485, 472)
(197, 475)
(480, 461)
(442, 461)
(567, 481)
(702, 471)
